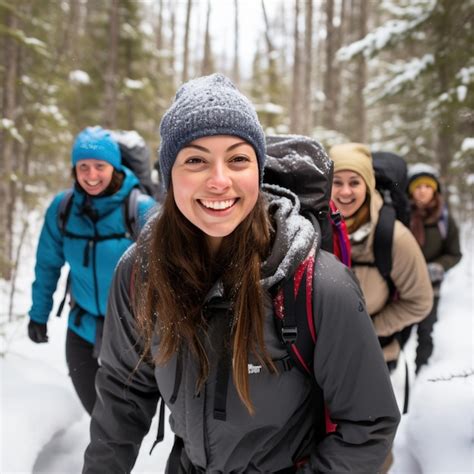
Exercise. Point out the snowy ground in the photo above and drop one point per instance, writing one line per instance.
(45, 430)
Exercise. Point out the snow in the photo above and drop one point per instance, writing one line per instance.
(467, 144)
(388, 32)
(134, 84)
(400, 75)
(79, 77)
(45, 429)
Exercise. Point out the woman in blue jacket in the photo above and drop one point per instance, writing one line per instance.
(90, 235)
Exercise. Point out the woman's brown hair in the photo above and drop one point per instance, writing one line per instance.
(180, 272)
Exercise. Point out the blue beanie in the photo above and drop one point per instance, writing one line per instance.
(208, 105)
(98, 144)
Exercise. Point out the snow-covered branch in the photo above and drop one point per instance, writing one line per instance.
(392, 31)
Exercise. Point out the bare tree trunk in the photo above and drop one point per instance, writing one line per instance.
(207, 58)
(337, 68)
(236, 68)
(445, 126)
(69, 44)
(296, 99)
(319, 64)
(273, 79)
(129, 97)
(361, 79)
(173, 37)
(328, 112)
(159, 27)
(111, 93)
(6, 147)
(185, 75)
(308, 62)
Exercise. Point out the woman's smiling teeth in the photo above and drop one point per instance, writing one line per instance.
(92, 183)
(218, 205)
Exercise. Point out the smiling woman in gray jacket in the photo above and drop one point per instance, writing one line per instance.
(192, 301)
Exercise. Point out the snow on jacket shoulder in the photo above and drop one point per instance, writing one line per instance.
(409, 275)
(348, 366)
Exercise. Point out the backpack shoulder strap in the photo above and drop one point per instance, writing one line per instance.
(341, 245)
(383, 242)
(130, 208)
(64, 209)
(294, 319)
(294, 315)
(443, 222)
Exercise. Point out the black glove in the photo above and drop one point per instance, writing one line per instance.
(436, 272)
(37, 332)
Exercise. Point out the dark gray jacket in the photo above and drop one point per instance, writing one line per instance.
(348, 366)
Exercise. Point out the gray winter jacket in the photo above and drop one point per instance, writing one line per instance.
(348, 366)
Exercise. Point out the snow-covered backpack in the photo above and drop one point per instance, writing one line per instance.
(300, 164)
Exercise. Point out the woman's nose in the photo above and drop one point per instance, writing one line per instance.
(345, 190)
(219, 177)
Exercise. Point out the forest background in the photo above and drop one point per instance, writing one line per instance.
(397, 75)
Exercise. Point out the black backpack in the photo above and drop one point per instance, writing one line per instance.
(391, 180)
(136, 157)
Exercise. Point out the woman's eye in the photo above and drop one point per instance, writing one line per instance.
(240, 159)
(194, 160)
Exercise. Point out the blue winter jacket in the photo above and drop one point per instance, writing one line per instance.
(91, 263)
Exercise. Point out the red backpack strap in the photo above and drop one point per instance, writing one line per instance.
(340, 238)
(294, 299)
(294, 319)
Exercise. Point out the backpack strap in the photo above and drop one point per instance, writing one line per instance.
(383, 241)
(443, 222)
(64, 209)
(294, 319)
(130, 213)
(294, 316)
(341, 245)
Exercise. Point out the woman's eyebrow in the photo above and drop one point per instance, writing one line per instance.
(198, 147)
(206, 150)
(235, 145)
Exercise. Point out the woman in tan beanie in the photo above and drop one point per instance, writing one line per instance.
(355, 196)
(360, 203)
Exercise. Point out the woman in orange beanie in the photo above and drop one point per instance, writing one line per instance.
(437, 233)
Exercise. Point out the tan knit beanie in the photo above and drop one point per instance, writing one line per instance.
(354, 157)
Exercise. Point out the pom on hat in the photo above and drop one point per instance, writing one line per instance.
(354, 157)
(206, 106)
(95, 143)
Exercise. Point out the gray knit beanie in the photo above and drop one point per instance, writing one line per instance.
(208, 105)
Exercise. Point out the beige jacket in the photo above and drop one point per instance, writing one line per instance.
(409, 274)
